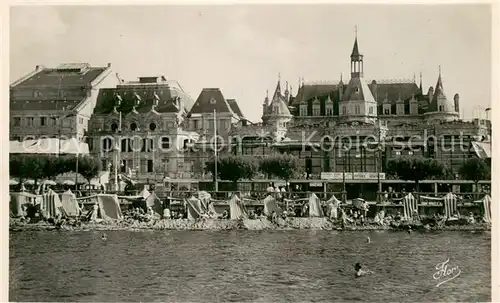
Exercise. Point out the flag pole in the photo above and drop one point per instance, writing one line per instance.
(215, 151)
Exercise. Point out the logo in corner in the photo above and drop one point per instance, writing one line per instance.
(445, 273)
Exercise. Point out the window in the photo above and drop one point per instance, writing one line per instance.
(104, 164)
(370, 110)
(31, 121)
(123, 166)
(133, 126)
(303, 110)
(329, 110)
(152, 126)
(212, 101)
(106, 145)
(43, 121)
(53, 121)
(165, 142)
(387, 111)
(316, 110)
(17, 121)
(114, 127)
(126, 145)
(195, 124)
(410, 153)
(357, 110)
(356, 89)
(441, 108)
(344, 110)
(80, 120)
(150, 166)
(147, 145)
(398, 153)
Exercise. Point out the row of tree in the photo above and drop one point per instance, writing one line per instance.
(40, 167)
(287, 167)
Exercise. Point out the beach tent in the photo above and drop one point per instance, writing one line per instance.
(70, 204)
(205, 199)
(144, 194)
(194, 208)
(155, 203)
(315, 209)
(108, 207)
(236, 208)
(409, 205)
(270, 205)
(486, 201)
(450, 204)
(51, 206)
(332, 207)
(18, 199)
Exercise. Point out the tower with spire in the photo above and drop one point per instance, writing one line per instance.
(440, 108)
(357, 102)
(276, 115)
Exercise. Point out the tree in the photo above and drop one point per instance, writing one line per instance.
(233, 168)
(474, 169)
(415, 169)
(282, 166)
(88, 167)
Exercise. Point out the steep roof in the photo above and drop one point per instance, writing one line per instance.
(211, 99)
(44, 105)
(310, 91)
(440, 97)
(358, 89)
(63, 76)
(392, 91)
(234, 107)
(355, 49)
(166, 95)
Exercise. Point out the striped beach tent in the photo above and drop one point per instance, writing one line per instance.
(51, 206)
(315, 209)
(450, 204)
(236, 208)
(194, 208)
(409, 205)
(487, 208)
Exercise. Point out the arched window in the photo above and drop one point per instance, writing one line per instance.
(114, 127)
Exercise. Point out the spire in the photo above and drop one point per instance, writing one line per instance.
(355, 50)
(421, 82)
(341, 78)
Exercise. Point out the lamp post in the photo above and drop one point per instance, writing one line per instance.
(215, 151)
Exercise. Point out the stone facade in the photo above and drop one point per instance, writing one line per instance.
(56, 102)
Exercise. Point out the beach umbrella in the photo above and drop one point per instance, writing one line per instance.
(68, 182)
(49, 182)
(29, 182)
(270, 189)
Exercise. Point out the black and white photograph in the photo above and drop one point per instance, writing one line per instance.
(250, 152)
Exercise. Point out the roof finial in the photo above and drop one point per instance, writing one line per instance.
(356, 31)
(440, 70)
(267, 93)
(414, 81)
(286, 89)
(340, 77)
(279, 77)
(420, 81)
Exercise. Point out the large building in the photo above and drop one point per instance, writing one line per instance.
(336, 127)
(56, 102)
(137, 128)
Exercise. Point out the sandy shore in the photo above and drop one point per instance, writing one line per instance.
(246, 224)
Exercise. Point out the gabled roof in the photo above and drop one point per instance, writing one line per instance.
(211, 99)
(166, 95)
(234, 107)
(358, 89)
(63, 76)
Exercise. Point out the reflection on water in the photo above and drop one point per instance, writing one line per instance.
(267, 266)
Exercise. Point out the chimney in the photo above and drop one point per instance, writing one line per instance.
(38, 67)
(374, 90)
(109, 64)
(456, 100)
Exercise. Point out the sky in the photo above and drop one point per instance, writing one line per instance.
(242, 49)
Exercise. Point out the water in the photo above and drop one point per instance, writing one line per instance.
(265, 266)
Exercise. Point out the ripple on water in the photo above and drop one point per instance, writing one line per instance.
(246, 266)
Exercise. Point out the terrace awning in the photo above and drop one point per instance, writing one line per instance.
(482, 149)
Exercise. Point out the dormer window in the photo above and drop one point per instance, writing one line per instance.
(303, 110)
(356, 89)
(133, 126)
(441, 108)
(114, 127)
(212, 101)
(152, 126)
(357, 110)
(316, 108)
(370, 110)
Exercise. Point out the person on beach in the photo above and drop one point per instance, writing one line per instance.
(361, 272)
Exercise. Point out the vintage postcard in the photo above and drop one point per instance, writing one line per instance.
(251, 152)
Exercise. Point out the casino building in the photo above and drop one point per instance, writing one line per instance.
(352, 129)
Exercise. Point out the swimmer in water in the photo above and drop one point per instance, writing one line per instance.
(409, 230)
(104, 238)
(360, 272)
(368, 240)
